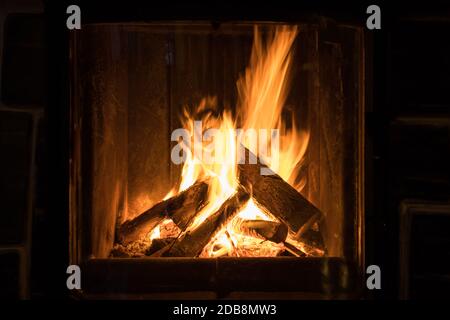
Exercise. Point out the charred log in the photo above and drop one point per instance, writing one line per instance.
(180, 208)
(158, 244)
(276, 196)
(192, 242)
(293, 250)
(268, 230)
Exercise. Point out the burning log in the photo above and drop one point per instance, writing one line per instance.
(180, 208)
(279, 198)
(192, 201)
(158, 244)
(192, 242)
(269, 230)
(293, 250)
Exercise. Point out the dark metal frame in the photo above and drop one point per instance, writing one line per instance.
(66, 121)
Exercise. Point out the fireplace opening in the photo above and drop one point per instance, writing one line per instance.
(232, 147)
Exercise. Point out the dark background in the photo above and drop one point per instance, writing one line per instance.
(407, 142)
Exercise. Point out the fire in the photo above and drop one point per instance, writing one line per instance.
(221, 168)
(262, 93)
(252, 212)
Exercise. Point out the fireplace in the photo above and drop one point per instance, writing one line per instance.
(217, 159)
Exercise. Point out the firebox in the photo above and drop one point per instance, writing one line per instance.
(217, 159)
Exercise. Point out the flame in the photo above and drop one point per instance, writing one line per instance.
(262, 93)
(156, 233)
(252, 212)
(163, 229)
(221, 168)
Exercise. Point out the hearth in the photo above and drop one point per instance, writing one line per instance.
(217, 159)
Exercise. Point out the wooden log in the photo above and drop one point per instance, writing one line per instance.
(269, 230)
(192, 242)
(158, 244)
(276, 196)
(294, 250)
(311, 234)
(134, 229)
(180, 208)
(187, 206)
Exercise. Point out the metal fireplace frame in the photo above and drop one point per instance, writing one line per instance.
(279, 277)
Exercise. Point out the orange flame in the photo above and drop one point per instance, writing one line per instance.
(262, 94)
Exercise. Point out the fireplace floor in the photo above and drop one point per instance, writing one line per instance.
(219, 277)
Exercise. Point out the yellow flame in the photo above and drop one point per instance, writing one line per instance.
(222, 167)
(263, 92)
(251, 212)
(156, 233)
